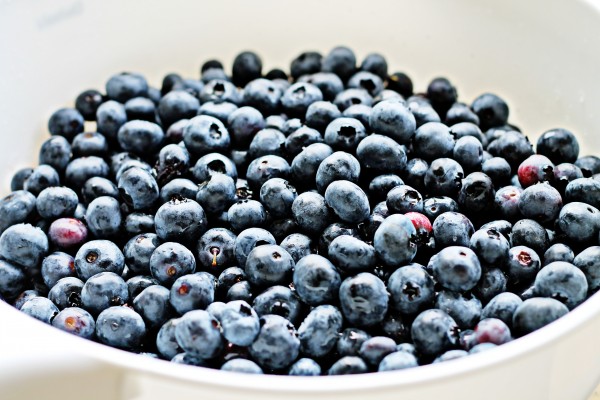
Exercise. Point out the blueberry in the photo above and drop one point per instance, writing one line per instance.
(308, 62)
(468, 151)
(452, 229)
(97, 187)
(403, 199)
(401, 83)
(140, 108)
(559, 145)
(311, 213)
(219, 111)
(535, 313)
(507, 200)
(364, 299)
(103, 217)
(87, 103)
(490, 246)
(244, 123)
(541, 202)
(513, 146)
(348, 365)
(264, 168)
(170, 261)
(382, 184)
(491, 110)
(137, 223)
(66, 122)
(262, 94)
(502, 307)
(316, 280)
(153, 305)
(590, 165)
(177, 105)
(188, 359)
(394, 240)
(247, 240)
(558, 252)
(588, 261)
(482, 347)
(460, 113)
(24, 245)
(277, 195)
(300, 139)
(216, 248)
(219, 91)
(423, 113)
(56, 202)
(433, 207)
(173, 161)
(397, 360)
(66, 293)
(444, 177)
(476, 193)
(338, 166)
(305, 367)
(434, 332)
(56, 266)
(126, 85)
(277, 345)
(368, 81)
(204, 134)
(120, 327)
(381, 153)
(213, 163)
(198, 334)
(246, 214)
(138, 283)
(465, 309)
(279, 300)
(192, 292)
(166, 344)
(562, 281)
(56, 152)
(393, 118)
(246, 67)
(456, 268)
(240, 291)
(433, 140)
(296, 99)
(179, 187)
(527, 232)
(110, 116)
(269, 265)
(12, 280)
(411, 289)
(16, 208)
(320, 114)
(522, 265)
(41, 178)
(305, 164)
(76, 321)
(138, 188)
(242, 365)
(320, 331)
(498, 169)
(102, 291)
(493, 282)
(351, 255)
(40, 308)
(585, 190)
(442, 94)
(341, 61)
(348, 201)
(216, 194)
(18, 180)
(180, 220)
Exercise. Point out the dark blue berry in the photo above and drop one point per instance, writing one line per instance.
(363, 299)
(102, 291)
(434, 332)
(110, 116)
(411, 289)
(562, 281)
(76, 321)
(103, 217)
(316, 280)
(348, 201)
(170, 261)
(40, 308)
(66, 293)
(393, 118)
(535, 313)
(152, 304)
(180, 220)
(456, 268)
(120, 327)
(277, 345)
(491, 110)
(24, 245)
(56, 152)
(66, 122)
(394, 240)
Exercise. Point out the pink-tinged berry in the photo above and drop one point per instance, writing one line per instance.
(535, 169)
(67, 232)
(420, 222)
(492, 330)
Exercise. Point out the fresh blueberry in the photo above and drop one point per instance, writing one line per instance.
(102, 291)
(311, 212)
(433, 140)
(590, 165)
(269, 265)
(306, 63)
(137, 223)
(527, 232)
(213, 163)
(507, 201)
(277, 195)
(12, 280)
(513, 146)
(461, 113)
(152, 304)
(244, 123)
(140, 137)
(198, 334)
(166, 344)
(298, 140)
(263, 95)
(316, 280)
(19, 178)
(493, 282)
(246, 67)
(559, 145)
(341, 61)
(393, 118)
(56, 152)
(180, 220)
(120, 327)
(216, 248)
(381, 153)
(320, 330)
(138, 283)
(434, 332)
(264, 168)
(66, 293)
(247, 240)
(433, 207)
(588, 261)
(468, 151)
(220, 91)
(464, 309)
(498, 169)
(177, 105)
(219, 111)
(522, 265)
(98, 187)
(401, 83)
(351, 254)
(491, 110)
(76, 321)
(296, 99)
(338, 166)
(173, 161)
(246, 214)
(204, 134)
(397, 361)
(87, 103)
(192, 292)
(110, 116)
(394, 240)
(456, 268)
(242, 365)
(56, 266)
(452, 229)
(366, 80)
(403, 199)
(444, 177)
(558, 252)
(140, 108)
(267, 142)
(535, 313)
(348, 365)
(56, 202)
(305, 367)
(478, 348)
(40, 308)
(476, 193)
(502, 307)
(138, 188)
(16, 208)
(541, 202)
(103, 217)
(442, 94)
(66, 122)
(126, 85)
(585, 190)
(562, 281)
(375, 349)
(348, 201)
(411, 289)
(24, 245)
(179, 187)
(382, 184)
(490, 246)
(277, 345)
(279, 300)
(320, 114)
(364, 299)
(41, 178)
(170, 261)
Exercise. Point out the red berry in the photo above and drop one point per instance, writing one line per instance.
(67, 232)
(492, 330)
(420, 222)
(535, 169)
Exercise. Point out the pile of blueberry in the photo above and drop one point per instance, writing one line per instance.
(325, 221)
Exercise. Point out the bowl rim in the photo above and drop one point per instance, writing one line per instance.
(130, 363)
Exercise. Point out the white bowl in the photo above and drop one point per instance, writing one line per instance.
(542, 56)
